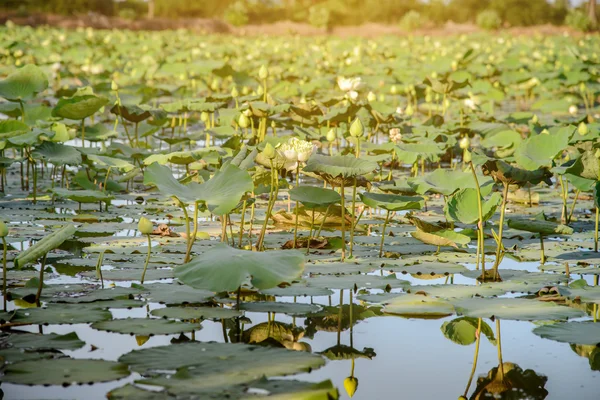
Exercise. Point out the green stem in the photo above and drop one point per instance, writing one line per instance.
(343, 202)
(542, 256)
(387, 219)
(83, 133)
(475, 357)
(339, 328)
(499, 247)
(596, 230)
(4, 251)
(323, 221)
(353, 225)
(480, 215)
(242, 223)
(389, 178)
(573, 206)
(147, 259)
(310, 232)
(41, 282)
(263, 230)
(190, 242)
(500, 363)
(187, 229)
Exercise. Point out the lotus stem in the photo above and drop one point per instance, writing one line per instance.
(147, 259)
(83, 133)
(353, 225)
(387, 219)
(296, 209)
(224, 229)
(261, 238)
(22, 110)
(310, 231)
(500, 363)
(542, 256)
(351, 328)
(343, 203)
(38, 295)
(187, 230)
(242, 223)
(573, 206)
(500, 229)
(389, 178)
(565, 194)
(323, 221)
(596, 230)
(475, 358)
(480, 236)
(340, 314)
(4, 251)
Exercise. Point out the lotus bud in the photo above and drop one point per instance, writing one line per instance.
(462, 398)
(331, 135)
(583, 129)
(113, 86)
(273, 125)
(145, 226)
(573, 110)
(464, 143)
(371, 97)
(3, 229)
(263, 72)
(204, 116)
(234, 92)
(597, 154)
(393, 89)
(357, 129)
(243, 121)
(467, 156)
(350, 384)
(582, 87)
(260, 91)
(269, 151)
(409, 110)
(534, 119)
(544, 132)
(428, 97)
(454, 65)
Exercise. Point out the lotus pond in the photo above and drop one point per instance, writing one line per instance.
(194, 217)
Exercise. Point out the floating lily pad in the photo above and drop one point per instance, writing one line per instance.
(146, 326)
(61, 314)
(51, 341)
(187, 313)
(515, 309)
(63, 371)
(294, 309)
(571, 332)
(418, 306)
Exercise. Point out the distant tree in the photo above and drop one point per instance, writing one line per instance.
(466, 10)
(523, 12)
(592, 13)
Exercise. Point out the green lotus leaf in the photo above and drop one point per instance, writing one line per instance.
(442, 238)
(187, 313)
(293, 309)
(111, 162)
(145, 326)
(50, 341)
(463, 330)
(63, 371)
(11, 128)
(313, 197)
(462, 206)
(505, 173)
(331, 167)
(586, 166)
(392, 202)
(541, 227)
(83, 196)
(571, 332)
(357, 281)
(447, 182)
(62, 314)
(539, 150)
(131, 112)
(174, 293)
(514, 309)
(223, 268)
(418, 306)
(23, 84)
(48, 243)
(220, 358)
(58, 154)
(297, 289)
(79, 107)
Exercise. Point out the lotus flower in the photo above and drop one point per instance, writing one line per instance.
(350, 85)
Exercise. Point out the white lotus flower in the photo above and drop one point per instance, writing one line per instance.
(573, 110)
(353, 95)
(395, 135)
(349, 84)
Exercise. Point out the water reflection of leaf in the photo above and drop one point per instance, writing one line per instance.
(516, 384)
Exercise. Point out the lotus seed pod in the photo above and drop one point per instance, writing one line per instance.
(243, 121)
(331, 135)
(3, 229)
(263, 72)
(464, 143)
(350, 384)
(269, 151)
(583, 129)
(371, 97)
(145, 226)
(357, 129)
